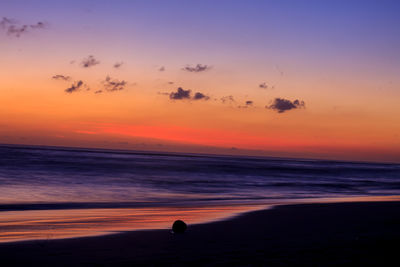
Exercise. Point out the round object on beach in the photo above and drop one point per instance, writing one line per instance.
(179, 227)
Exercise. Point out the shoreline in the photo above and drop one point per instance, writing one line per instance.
(296, 234)
(79, 220)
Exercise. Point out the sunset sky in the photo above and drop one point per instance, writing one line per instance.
(313, 79)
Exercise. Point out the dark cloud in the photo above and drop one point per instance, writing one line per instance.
(299, 103)
(98, 92)
(263, 85)
(281, 105)
(199, 96)
(180, 94)
(118, 65)
(12, 27)
(162, 68)
(227, 99)
(61, 77)
(248, 103)
(197, 68)
(170, 82)
(89, 62)
(76, 86)
(111, 85)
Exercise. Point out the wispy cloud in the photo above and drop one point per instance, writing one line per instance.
(17, 30)
(61, 77)
(281, 105)
(5, 22)
(76, 86)
(12, 27)
(162, 68)
(163, 93)
(197, 68)
(112, 85)
(279, 70)
(89, 62)
(39, 25)
(227, 99)
(247, 104)
(118, 65)
(182, 94)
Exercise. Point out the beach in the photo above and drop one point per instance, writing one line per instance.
(326, 234)
(199, 133)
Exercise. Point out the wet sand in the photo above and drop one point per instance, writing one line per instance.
(352, 234)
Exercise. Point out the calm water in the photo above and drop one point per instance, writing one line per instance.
(34, 180)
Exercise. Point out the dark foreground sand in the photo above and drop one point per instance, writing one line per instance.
(352, 234)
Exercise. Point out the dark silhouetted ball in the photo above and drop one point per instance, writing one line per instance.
(179, 227)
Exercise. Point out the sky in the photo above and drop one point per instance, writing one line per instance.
(310, 79)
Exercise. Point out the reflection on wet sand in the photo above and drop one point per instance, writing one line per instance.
(54, 224)
(68, 223)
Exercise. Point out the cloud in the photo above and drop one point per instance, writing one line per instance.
(181, 94)
(12, 27)
(76, 86)
(197, 68)
(263, 85)
(227, 99)
(111, 85)
(162, 68)
(248, 103)
(118, 65)
(98, 92)
(17, 30)
(89, 62)
(199, 96)
(39, 25)
(163, 93)
(170, 82)
(279, 70)
(61, 77)
(5, 22)
(281, 105)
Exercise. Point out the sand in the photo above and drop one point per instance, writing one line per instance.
(337, 234)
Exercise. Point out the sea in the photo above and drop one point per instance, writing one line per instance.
(56, 192)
